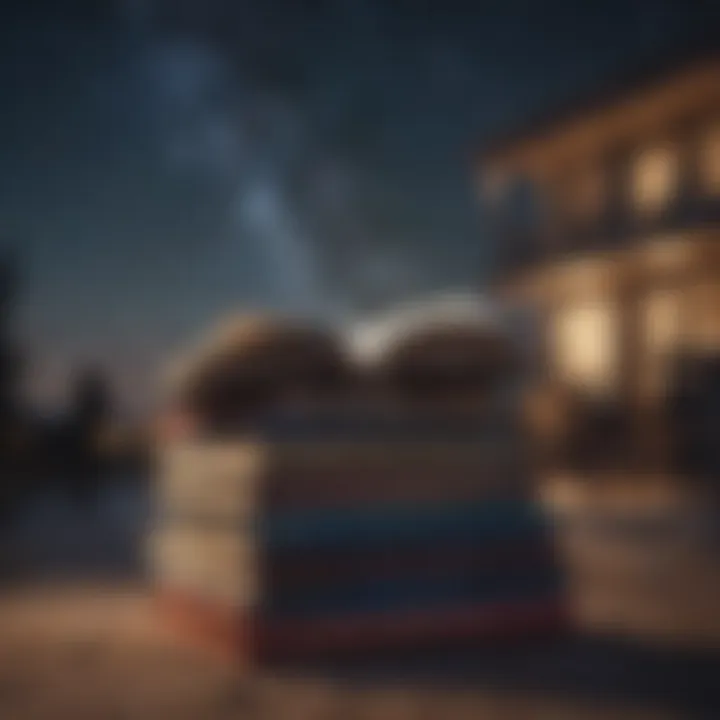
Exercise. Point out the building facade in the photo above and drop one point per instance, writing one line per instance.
(607, 224)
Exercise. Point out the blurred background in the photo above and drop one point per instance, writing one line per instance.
(556, 165)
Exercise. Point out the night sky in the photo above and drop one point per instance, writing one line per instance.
(164, 162)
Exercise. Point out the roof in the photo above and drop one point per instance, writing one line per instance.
(675, 62)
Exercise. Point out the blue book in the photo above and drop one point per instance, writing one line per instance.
(406, 594)
(367, 527)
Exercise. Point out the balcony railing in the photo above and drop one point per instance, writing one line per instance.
(520, 251)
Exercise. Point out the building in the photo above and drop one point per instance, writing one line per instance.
(607, 222)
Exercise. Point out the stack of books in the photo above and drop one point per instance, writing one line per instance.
(307, 538)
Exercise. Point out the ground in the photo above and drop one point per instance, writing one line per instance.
(82, 645)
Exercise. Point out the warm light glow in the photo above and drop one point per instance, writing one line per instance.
(662, 315)
(655, 177)
(585, 339)
(710, 161)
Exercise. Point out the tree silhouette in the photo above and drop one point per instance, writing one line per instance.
(9, 365)
(92, 402)
(9, 377)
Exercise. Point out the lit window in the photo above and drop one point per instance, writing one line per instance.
(661, 311)
(585, 340)
(655, 178)
(710, 162)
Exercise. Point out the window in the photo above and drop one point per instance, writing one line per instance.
(585, 347)
(655, 177)
(709, 161)
(661, 314)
